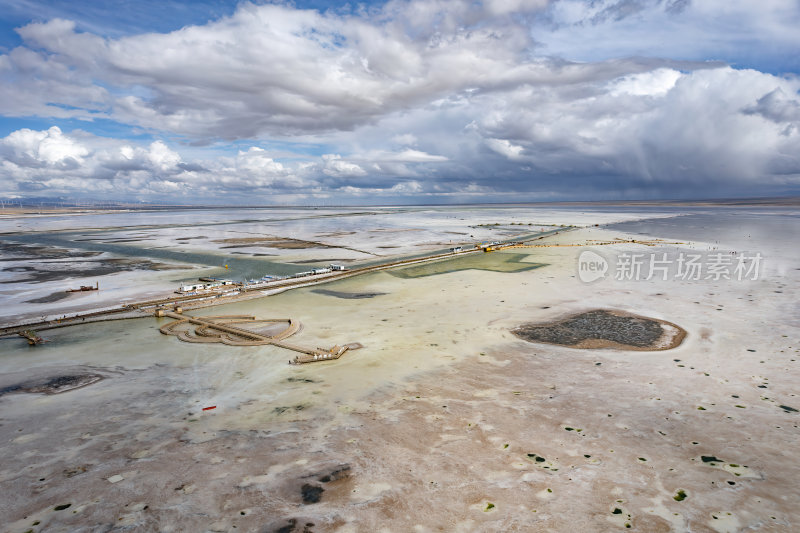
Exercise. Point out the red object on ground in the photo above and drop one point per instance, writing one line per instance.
(209, 408)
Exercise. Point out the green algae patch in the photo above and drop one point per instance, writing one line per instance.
(489, 262)
(620, 517)
(740, 471)
(541, 462)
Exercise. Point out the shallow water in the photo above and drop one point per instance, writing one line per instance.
(442, 412)
(773, 232)
(238, 267)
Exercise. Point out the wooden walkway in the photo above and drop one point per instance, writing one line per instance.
(220, 329)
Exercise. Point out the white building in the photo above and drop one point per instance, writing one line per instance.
(190, 288)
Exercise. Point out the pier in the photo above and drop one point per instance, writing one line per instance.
(227, 329)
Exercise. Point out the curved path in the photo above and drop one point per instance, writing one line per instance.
(220, 329)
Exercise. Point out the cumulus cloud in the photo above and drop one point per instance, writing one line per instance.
(256, 161)
(440, 97)
(80, 164)
(505, 147)
(779, 107)
(655, 82)
(162, 158)
(338, 168)
(407, 187)
(49, 147)
(275, 70)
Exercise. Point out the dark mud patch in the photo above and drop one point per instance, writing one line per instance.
(336, 234)
(293, 379)
(253, 255)
(270, 242)
(341, 471)
(284, 408)
(50, 298)
(311, 493)
(605, 329)
(14, 251)
(52, 384)
(348, 295)
(117, 241)
(291, 525)
(321, 261)
(62, 270)
(76, 470)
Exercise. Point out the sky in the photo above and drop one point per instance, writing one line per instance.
(398, 102)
